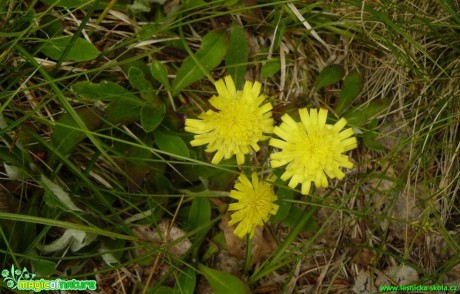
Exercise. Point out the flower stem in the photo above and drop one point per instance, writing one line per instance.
(280, 253)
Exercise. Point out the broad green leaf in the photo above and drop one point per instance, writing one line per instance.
(237, 55)
(160, 73)
(124, 110)
(135, 162)
(51, 200)
(370, 137)
(352, 86)
(104, 90)
(210, 55)
(114, 248)
(138, 81)
(162, 290)
(51, 25)
(284, 206)
(125, 106)
(20, 22)
(76, 3)
(223, 283)
(221, 180)
(80, 50)
(359, 117)
(295, 213)
(194, 172)
(270, 68)
(218, 242)
(283, 194)
(331, 74)
(370, 141)
(64, 139)
(43, 267)
(59, 193)
(171, 143)
(151, 117)
(127, 63)
(200, 214)
(185, 283)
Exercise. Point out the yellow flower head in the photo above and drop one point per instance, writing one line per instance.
(238, 124)
(312, 149)
(254, 206)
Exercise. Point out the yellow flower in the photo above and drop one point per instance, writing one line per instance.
(254, 206)
(312, 149)
(238, 124)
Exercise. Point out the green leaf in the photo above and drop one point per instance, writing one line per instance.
(160, 73)
(104, 90)
(352, 86)
(185, 283)
(214, 247)
(20, 22)
(370, 137)
(80, 50)
(171, 143)
(76, 3)
(295, 213)
(237, 55)
(43, 267)
(151, 117)
(284, 206)
(359, 117)
(59, 193)
(331, 74)
(270, 68)
(370, 141)
(195, 172)
(51, 25)
(138, 81)
(124, 110)
(210, 55)
(64, 139)
(162, 290)
(125, 106)
(200, 214)
(135, 161)
(223, 283)
(111, 251)
(283, 194)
